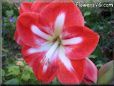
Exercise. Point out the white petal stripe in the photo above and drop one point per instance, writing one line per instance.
(59, 23)
(51, 51)
(72, 41)
(32, 50)
(45, 68)
(65, 59)
(49, 56)
(44, 47)
(38, 32)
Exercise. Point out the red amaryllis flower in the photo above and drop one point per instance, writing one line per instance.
(55, 42)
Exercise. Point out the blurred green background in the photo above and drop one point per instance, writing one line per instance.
(15, 70)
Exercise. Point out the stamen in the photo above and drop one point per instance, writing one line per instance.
(38, 32)
(72, 41)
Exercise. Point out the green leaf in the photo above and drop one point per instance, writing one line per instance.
(106, 73)
(29, 69)
(13, 70)
(98, 52)
(55, 82)
(2, 72)
(25, 76)
(99, 65)
(87, 13)
(92, 56)
(13, 81)
(9, 13)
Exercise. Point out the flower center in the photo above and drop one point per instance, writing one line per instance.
(56, 43)
(57, 39)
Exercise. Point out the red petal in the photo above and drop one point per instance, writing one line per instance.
(17, 38)
(25, 7)
(49, 75)
(34, 60)
(39, 5)
(30, 58)
(23, 27)
(71, 77)
(86, 47)
(73, 15)
(90, 72)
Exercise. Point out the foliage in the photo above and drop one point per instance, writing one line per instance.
(15, 71)
(106, 73)
(12, 72)
(100, 20)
